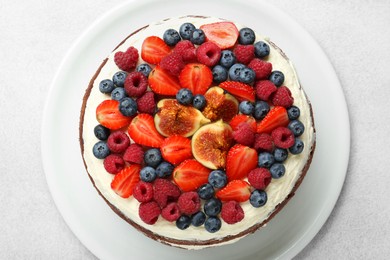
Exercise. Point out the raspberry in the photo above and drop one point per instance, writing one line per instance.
(259, 178)
(283, 137)
(143, 191)
(208, 53)
(165, 192)
(173, 63)
(113, 163)
(244, 53)
(244, 134)
(189, 202)
(118, 142)
(186, 50)
(261, 68)
(134, 154)
(232, 212)
(126, 60)
(146, 103)
(171, 212)
(282, 97)
(136, 84)
(149, 212)
(264, 89)
(263, 142)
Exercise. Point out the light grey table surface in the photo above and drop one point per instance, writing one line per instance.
(34, 37)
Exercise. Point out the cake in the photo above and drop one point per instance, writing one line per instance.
(196, 131)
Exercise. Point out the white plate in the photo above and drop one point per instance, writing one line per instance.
(108, 236)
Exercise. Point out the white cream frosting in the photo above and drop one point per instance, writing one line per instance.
(277, 191)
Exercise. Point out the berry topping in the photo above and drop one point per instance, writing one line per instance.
(171, 37)
(100, 150)
(282, 97)
(266, 159)
(277, 77)
(199, 102)
(261, 68)
(212, 207)
(198, 219)
(106, 86)
(162, 82)
(153, 157)
(184, 96)
(118, 93)
(148, 174)
(143, 191)
(125, 180)
(237, 190)
(176, 149)
(283, 137)
(118, 142)
(277, 170)
(165, 192)
(298, 146)
(258, 198)
(126, 60)
(119, 79)
(263, 142)
(246, 107)
(240, 118)
(244, 134)
(264, 89)
(280, 154)
(261, 49)
(296, 127)
(217, 179)
(220, 74)
(240, 161)
(197, 37)
(244, 53)
(144, 68)
(113, 163)
(154, 49)
(206, 191)
(143, 131)
(171, 212)
(108, 115)
(259, 178)
(189, 202)
(227, 58)
(235, 71)
(208, 53)
(246, 36)
(183, 222)
(101, 132)
(240, 90)
(232, 212)
(128, 106)
(146, 103)
(186, 50)
(213, 224)
(136, 84)
(276, 117)
(186, 30)
(134, 154)
(293, 112)
(190, 175)
(261, 109)
(223, 34)
(149, 212)
(172, 63)
(164, 169)
(247, 76)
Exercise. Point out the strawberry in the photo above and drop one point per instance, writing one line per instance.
(125, 180)
(236, 190)
(176, 149)
(196, 77)
(154, 49)
(240, 161)
(108, 115)
(190, 175)
(162, 82)
(241, 118)
(276, 117)
(240, 90)
(224, 34)
(143, 131)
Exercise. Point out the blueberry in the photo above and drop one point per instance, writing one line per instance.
(198, 219)
(119, 78)
(246, 36)
(261, 109)
(106, 86)
(293, 112)
(199, 101)
(265, 159)
(128, 106)
(220, 74)
(297, 148)
(296, 127)
(227, 58)
(186, 30)
(184, 96)
(247, 76)
(280, 154)
(101, 132)
(276, 77)
(277, 170)
(261, 49)
(171, 37)
(118, 93)
(100, 150)
(246, 107)
(235, 71)
(212, 207)
(148, 174)
(164, 169)
(183, 222)
(206, 191)
(144, 68)
(152, 157)
(212, 224)
(197, 37)
(258, 198)
(217, 179)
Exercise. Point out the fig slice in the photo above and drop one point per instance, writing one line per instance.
(220, 105)
(211, 143)
(173, 118)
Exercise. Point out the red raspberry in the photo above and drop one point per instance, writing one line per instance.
(173, 63)
(244, 134)
(208, 53)
(244, 53)
(282, 97)
(146, 103)
(171, 212)
(113, 163)
(149, 212)
(134, 154)
(186, 50)
(263, 142)
(165, 192)
(283, 137)
(189, 202)
(136, 84)
(261, 68)
(118, 142)
(259, 178)
(143, 191)
(264, 89)
(232, 212)
(126, 60)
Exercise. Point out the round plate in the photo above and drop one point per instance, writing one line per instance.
(103, 232)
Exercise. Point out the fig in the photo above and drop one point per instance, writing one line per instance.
(220, 105)
(211, 143)
(173, 118)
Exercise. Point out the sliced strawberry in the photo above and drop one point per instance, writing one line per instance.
(108, 115)
(196, 77)
(276, 117)
(154, 49)
(176, 149)
(162, 82)
(237, 190)
(240, 90)
(125, 180)
(241, 118)
(143, 131)
(240, 161)
(190, 175)
(224, 34)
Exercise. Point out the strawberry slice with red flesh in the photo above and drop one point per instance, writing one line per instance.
(240, 90)
(190, 175)
(276, 117)
(241, 118)
(176, 149)
(125, 180)
(143, 131)
(240, 161)
(237, 190)
(154, 49)
(163, 83)
(223, 34)
(108, 115)
(196, 77)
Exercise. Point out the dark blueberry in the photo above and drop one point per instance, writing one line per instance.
(197, 37)
(297, 148)
(171, 37)
(106, 86)
(220, 74)
(198, 219)
(261, 109)
(144, 68)
(280, 154)
(247, 76)
(258, 198)
(164, 169)
(183, 222)
(247, 36)
(118, 93)
(100, 150)
(212, 224)
(184, 96)
(206, 191)
(212, 207)
(148, 174)
(199, 101)
(152, 157)
(119, 78)
(186, 30)
(128, 106)
(277, 77)
(277, 170)
(261, 49)
(217, 179)
(296, 127)
(227, 58)
(101, 132)
(293, 112)
(235, 71)
(266, 160)
(246, 107)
